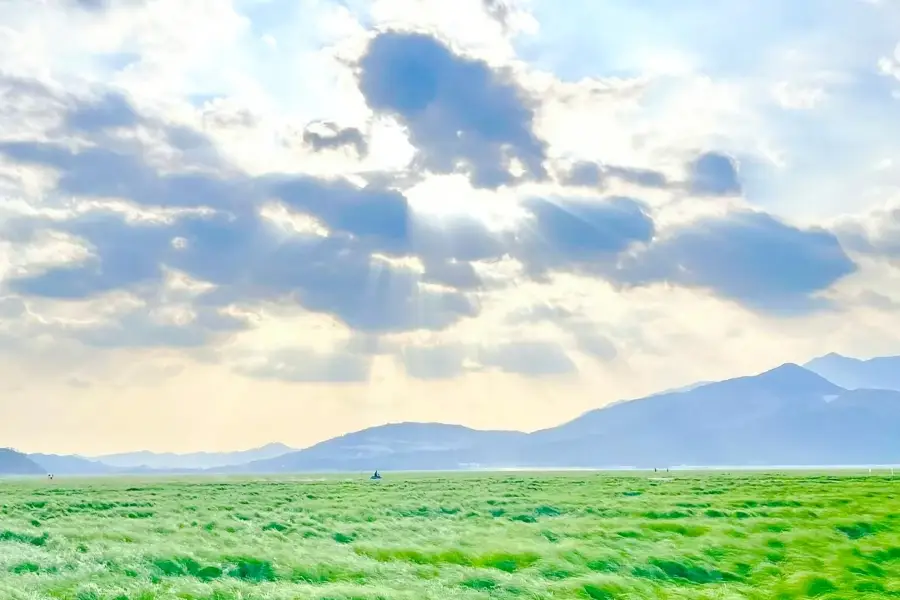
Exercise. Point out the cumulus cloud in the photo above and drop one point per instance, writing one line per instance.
(232, 246)
(328, 136)
(109, 111)
(749, 257)
(572, 234)
(714, 174)
(457, 109)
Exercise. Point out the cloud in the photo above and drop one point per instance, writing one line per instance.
(588, 336)
(528, 358)
(573, 234)
(497, 9)
(435, 362)
(714, 174)
(534, 359)
(144, 329)
(91, 4)
(247, 259)
(109, 111)
(457, 109)
(875, 233)
(230, 245)
(750, 257)
(329, 136)
(374, 263)
(595, 345)
(589, 174)
(302, 365)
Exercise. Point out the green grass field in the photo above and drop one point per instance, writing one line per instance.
(585, 535)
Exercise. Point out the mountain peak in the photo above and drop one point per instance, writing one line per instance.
(792, 378)
(275, 446)
(832, 359)
(786, 370)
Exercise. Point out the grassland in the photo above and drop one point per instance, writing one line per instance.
(593, 536)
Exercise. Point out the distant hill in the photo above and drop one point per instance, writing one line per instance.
(16, 463)
(70, 465)
(397, 446)
(785, 416)
(853, 373)
(197, 460)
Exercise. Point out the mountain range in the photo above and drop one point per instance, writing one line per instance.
(834, 410)
(853, 373)
(16, 463)
(197, 460)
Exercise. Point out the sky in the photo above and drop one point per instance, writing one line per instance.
(225, 223)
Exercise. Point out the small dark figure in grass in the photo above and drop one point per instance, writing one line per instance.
(375, 476)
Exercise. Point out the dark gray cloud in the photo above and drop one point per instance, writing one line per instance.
(590, 174)
(499, 10)
(101, 172)
(247, 260)
(714, 174)
(456, 109)
(109, 111)
(582, 235)
(750, 257)
(329, 136)
(452, 273)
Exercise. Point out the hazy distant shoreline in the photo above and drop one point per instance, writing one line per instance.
(311, 477)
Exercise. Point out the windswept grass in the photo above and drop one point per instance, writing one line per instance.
(523, 536)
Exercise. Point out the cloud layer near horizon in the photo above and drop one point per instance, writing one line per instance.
(350, 213)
